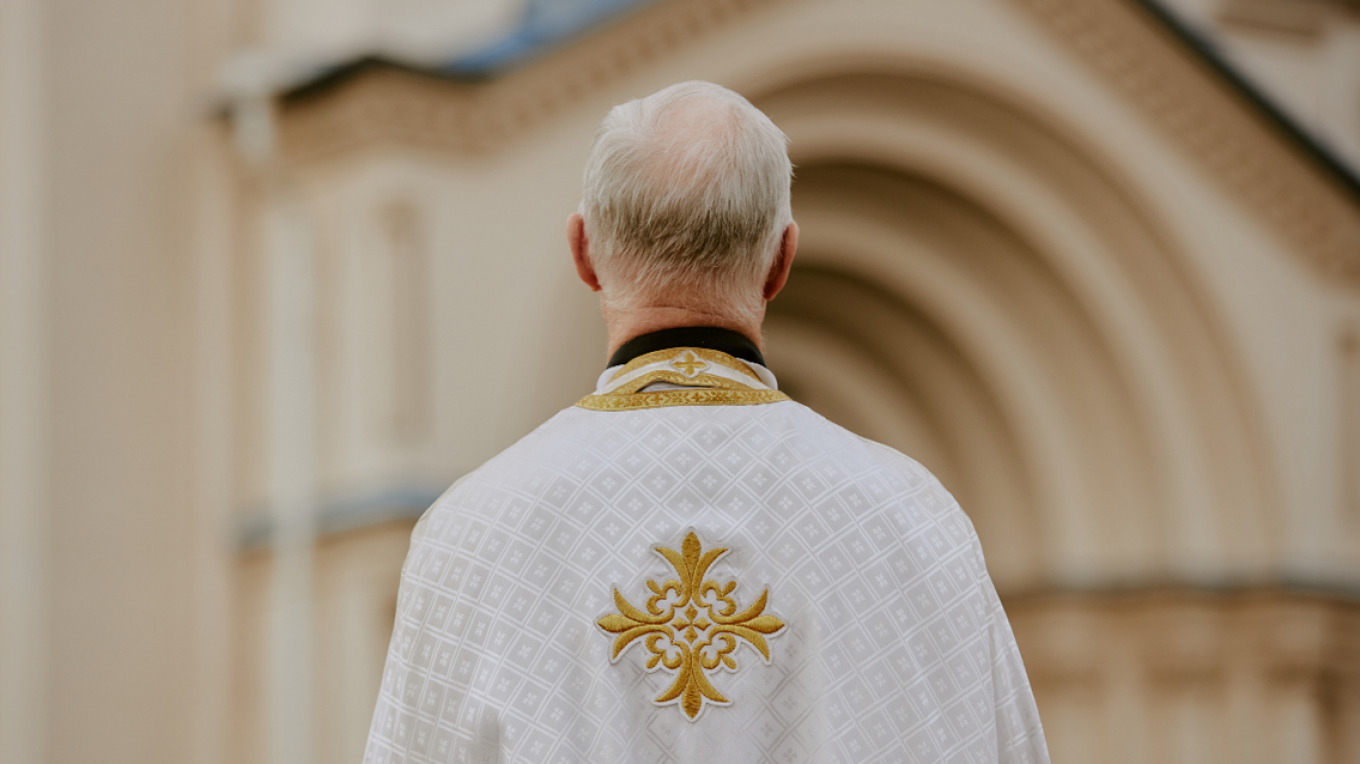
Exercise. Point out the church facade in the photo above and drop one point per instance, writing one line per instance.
(1050, 250)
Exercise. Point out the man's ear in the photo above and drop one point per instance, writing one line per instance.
(783, 261)
(580, 251)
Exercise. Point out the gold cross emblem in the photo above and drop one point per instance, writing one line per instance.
(691, 627)
(689, 364)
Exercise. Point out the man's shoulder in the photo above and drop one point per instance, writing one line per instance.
(904, 477)
(881, 455)
(577, 433)
(494, 469)
(579, 446)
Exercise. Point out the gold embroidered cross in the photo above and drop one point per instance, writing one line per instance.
(701, 611)
(689, 624)
(689, 364)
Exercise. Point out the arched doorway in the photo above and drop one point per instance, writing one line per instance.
(977, 289)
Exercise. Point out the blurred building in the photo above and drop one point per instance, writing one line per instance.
(273, 273)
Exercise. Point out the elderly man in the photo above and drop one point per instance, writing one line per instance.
(687, 566)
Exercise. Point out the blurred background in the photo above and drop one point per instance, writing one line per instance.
(273, 273)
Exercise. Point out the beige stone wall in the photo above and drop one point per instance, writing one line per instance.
(1068, 271)
(1047, 289)
(99, 466)
(23, 360)
(1171, 675)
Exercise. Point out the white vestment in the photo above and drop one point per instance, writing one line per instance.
(571, 600)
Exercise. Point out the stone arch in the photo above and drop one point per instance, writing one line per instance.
(1018, 321)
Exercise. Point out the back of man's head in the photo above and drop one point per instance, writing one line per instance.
(686, 196)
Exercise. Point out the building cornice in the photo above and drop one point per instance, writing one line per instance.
(1216, 126)
(374, 100)
(1178, 634)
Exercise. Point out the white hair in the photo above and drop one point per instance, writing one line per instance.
(691, 201)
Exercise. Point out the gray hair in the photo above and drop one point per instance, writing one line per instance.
(699, 205)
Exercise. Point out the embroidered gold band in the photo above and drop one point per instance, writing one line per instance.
(676, 378)
(703, 356)
(697, 397)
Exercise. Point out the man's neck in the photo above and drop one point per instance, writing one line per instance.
(625, 325)
(724, 341)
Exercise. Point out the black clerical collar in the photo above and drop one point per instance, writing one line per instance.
(708, 337)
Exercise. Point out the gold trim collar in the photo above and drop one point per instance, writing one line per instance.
(693, 376)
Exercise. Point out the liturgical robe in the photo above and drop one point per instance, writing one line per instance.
(687, 567)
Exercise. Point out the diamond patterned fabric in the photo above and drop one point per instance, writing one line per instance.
(895, 646)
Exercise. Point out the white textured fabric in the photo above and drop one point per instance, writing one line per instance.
(894, 646)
